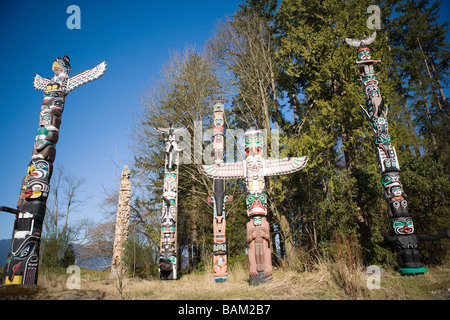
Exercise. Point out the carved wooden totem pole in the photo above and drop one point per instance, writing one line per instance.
(167, 261)
(23, 260)
(254, 169)
(219, 222)
(402, 227)
(122, 225)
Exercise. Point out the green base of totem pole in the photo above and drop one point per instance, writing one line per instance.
(259, 279)
(412, 271)
(220, 279)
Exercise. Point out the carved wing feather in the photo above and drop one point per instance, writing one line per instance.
(353, 42)
(86, 76)
(162, 130)
(371, 38)
(224, 170)
(40, 83)
(284, 165)
(166, 130)
(179, 129)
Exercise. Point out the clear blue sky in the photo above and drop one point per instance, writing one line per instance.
(135, 38)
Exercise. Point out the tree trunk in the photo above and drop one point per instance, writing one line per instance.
(285, 230)
(430, 117)
(431, 78)
(410, 126)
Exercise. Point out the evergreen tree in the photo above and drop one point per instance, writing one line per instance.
(422, 56)
(320, 69)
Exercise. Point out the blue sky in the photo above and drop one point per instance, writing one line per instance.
(135, 38)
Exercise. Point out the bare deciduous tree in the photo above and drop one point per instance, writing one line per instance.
(60, 233)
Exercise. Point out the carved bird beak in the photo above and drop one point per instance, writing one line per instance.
(56, 67)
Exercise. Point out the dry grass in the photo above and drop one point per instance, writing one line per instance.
(324, 282)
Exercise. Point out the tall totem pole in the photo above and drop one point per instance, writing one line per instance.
(23, 260)
(254, 169)
(219, 224)
(122, 225)
(167, 261)
(401, 223)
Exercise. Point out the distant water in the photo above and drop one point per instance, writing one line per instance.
(94, 263)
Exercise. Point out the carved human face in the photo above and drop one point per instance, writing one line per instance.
(218, 105)
(390, 178)
(170, 177)
(253, 142)
(168, 228)
(256, 204)
(364, 54)
(48, 119)
(254, 165)
(370, 79)
(257, 221)
(218, 117)
(218, 121)
(397, 191)
(403, 226)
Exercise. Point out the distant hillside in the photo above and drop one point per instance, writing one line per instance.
(4, 250)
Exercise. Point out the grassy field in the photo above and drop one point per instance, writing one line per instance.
(325, 282)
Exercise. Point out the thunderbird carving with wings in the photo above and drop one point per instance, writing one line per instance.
(254, 168)
(61, 68)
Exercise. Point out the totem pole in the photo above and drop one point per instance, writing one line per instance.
(167, 261)
(122, 225)
(23, 259)
(402, 226)
(254, 169)
(219, 224)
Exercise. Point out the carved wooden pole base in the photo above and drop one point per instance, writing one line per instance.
(259, 253)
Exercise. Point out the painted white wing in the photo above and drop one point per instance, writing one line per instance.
(86, 76)
(167, 130)
(40, 83)
(363, 42)
(353, 42)
(371, 38)
(284, 165)
(224, 170)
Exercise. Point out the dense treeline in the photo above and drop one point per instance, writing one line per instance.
(284, 66)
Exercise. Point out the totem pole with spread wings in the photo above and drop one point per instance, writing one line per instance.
(23, 260)
(254, 169)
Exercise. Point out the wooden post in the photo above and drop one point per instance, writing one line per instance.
(122, 225)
